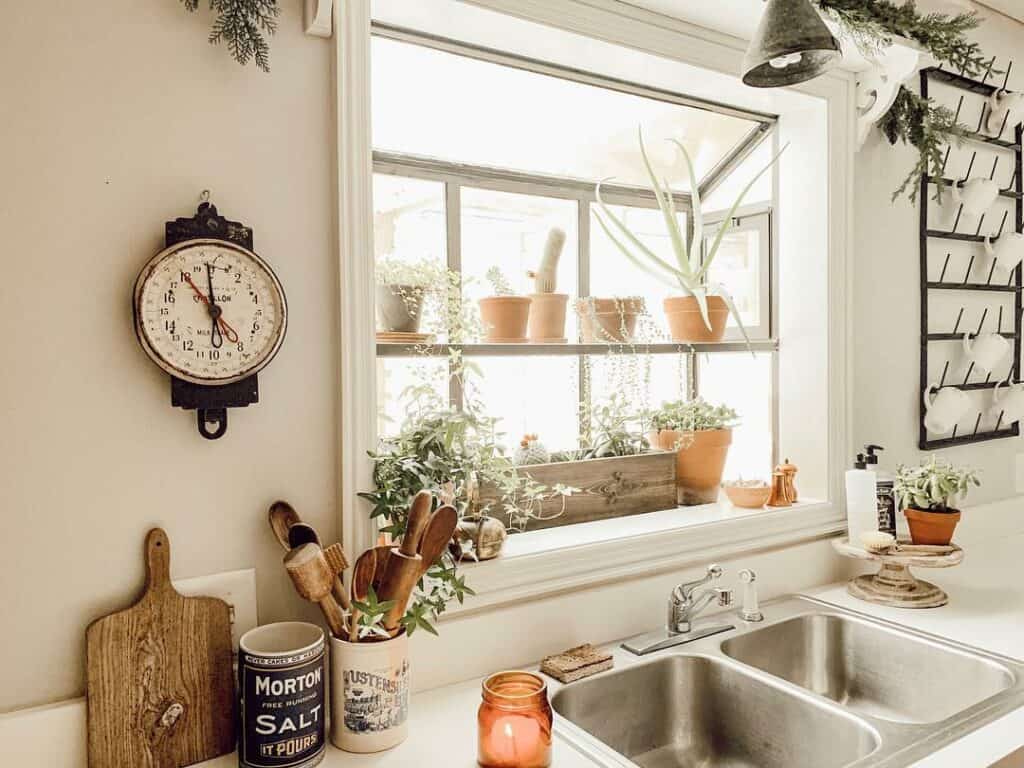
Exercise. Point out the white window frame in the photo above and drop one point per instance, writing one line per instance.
(590, 563)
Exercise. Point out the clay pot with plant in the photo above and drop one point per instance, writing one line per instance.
(929, 493)
(609, 321)
(505, 315)
(402, 288)
(547, 308)
(700, 314)
(700, 434)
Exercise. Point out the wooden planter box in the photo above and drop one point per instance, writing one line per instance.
(615, 487)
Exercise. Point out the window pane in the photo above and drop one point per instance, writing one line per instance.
(440, 105)
(743, 382)
(724, 195)
(508, 231)
(741, 265)
(644, 381)
(394, 377)
(613, 275)
(531, 395)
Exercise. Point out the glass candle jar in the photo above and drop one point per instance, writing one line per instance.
(514, 722)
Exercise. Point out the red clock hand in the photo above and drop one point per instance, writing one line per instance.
(225, 328)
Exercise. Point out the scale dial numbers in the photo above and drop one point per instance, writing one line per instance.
(209, 337)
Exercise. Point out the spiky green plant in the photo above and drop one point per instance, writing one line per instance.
(688, 273)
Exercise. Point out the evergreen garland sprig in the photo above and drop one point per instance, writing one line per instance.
(244, 25)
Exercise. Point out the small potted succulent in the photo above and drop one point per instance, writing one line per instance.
(609, 321)
(701, 312)
(547, 308)
(504, 315)
(401, 289)
(700, 434)
(928, 493)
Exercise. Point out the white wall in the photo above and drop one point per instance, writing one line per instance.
(113, 117)
(886, 305)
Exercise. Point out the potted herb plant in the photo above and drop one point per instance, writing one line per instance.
(609, 321)
(700, 314)
(401, 290)
(928, 493)
(700, 434)
(505, 315)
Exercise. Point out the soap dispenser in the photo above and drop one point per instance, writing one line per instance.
(885, 484)
(861, 500)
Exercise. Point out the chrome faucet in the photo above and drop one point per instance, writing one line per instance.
(683, 606)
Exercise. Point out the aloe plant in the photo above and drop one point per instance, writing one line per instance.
(688, 273)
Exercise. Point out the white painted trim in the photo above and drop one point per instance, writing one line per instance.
(319, 17)
(514, 579)
(358, 428)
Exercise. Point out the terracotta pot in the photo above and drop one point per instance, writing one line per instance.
(700, 460)
(505, 318)
(748, 497)
(932, 527)
(399, 308)
(604, 321)
(547, 317)
(685, 322)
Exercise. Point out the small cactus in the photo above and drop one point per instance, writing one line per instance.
(546, 277)
(531, 451)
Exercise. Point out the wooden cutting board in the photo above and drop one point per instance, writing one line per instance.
(160, 685)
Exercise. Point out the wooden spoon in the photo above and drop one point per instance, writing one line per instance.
(282, 517)
(437, 536)
(362, 580)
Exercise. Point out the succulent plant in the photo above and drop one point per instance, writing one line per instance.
(933, 485)
(531, 451)
(545, 279)
(692, 416)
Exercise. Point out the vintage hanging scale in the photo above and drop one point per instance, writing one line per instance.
(211, 313)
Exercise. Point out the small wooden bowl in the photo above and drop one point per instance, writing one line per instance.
(748, 497)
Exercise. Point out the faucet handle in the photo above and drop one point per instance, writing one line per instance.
(750, 610)
(685, 590)
(725, 597)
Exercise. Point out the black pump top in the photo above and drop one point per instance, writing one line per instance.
(871, 458)
(861, 462)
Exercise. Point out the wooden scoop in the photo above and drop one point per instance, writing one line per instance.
(404, 563)
(362, 580)
(314, 578)
(282, 517)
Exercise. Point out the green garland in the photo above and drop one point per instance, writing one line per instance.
(244, 26)
(872, 25)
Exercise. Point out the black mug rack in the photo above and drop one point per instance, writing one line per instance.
(955, 280)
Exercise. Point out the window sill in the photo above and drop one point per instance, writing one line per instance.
(558, 560)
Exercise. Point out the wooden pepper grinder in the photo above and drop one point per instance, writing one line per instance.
(778, 497)
(789, 471)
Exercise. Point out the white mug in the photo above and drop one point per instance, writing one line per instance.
(976, 195)
(1004, 105)
(1009, 403)
(1008, 251)
(944, 410)
(986, 351)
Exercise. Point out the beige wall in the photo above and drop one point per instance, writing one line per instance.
(113, 116)
(886, 320)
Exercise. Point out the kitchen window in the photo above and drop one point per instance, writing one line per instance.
(479, 154)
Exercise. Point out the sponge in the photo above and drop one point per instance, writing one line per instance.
(576, 663)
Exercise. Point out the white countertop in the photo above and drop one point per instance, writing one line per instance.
(986, 610)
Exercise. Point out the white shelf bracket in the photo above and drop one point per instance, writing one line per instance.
(319, 18)
(878, 86)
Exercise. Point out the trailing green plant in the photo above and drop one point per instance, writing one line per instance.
(934, 484)
(692, 264)
(499, 283)
(371, 616)
(692, 416)
(425, 273)
(244, 26)
(612, 434)
(873, 25)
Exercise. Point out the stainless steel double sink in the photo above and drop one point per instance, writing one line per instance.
(813, 686)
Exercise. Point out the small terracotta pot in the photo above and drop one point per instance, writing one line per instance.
(748, 497)
(931, 527)
(604, 321)
(399, 308)
(700, 460)
(685, 322)
(547, 317)
(505, 318)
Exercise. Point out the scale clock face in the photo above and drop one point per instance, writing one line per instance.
(209, 311)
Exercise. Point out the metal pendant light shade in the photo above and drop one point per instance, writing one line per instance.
(791, 45)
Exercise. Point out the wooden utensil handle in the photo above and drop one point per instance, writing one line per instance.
(419, 515)
(402, 574)
(334, 616)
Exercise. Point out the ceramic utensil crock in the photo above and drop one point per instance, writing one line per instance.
(944, 410)
(369, 694)
(514, 722)
(281, 686)
(986, 351)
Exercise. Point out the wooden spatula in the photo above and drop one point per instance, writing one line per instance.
(362, 580)
(160, 686)
(437, 536)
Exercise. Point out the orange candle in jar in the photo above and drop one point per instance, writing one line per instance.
(514, 722)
